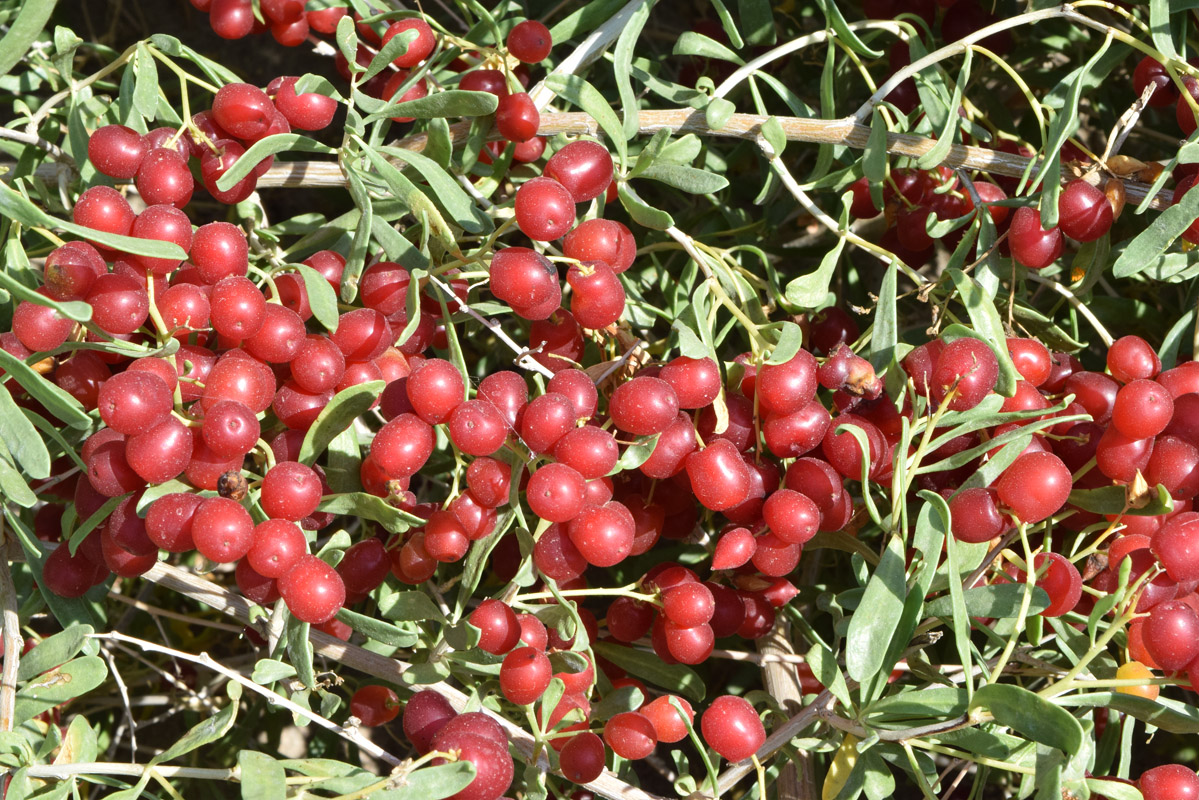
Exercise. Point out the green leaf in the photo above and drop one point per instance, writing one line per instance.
(645, 215)
(1113, 790)
(13, 486)
(210, 730)
(1113, 499)
(1152, 242)
(946, 136)
(719, 112)
(431, 783)
(368, 506)
(345, 407)
(1031, 715)
(676, 677)
(844, 33)
(757, 21)
(52, 651)
(811, 290)
(691, 43)
(22, 438)
(299, 650)
(617, 701)
(450, 103)
(404, 190)
(772, 131)
(871, 627)
(397, 47)
(269, 670)
(24, 31)
(885, 334)
(587, 18)
(265, 148)
(1169, 715)
(98, 517)
(622, 67)
(66, 682)
(1065, 121)
(376, 629)
(145, 83)
(1159, 26)
(1001, 601)
(321, 297)
(262, 777)
(410, 607)
(587, 97)
(446, 191)
(825, 669)
(688, 179)
(919, 704)
(789, 342)
(636, 454)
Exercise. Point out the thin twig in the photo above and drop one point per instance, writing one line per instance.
(523, 357)
(124, 692)
(350, 734)
(312, 174)
(1076, 304)
(382, 667)
(12, 639)
(25, 137)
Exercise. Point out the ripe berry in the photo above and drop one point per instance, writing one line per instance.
(222, 529)
(584, 167)
(555, 492)
(732, 728)
(1171, 635)
(545, 209)
(530, 41)
(243, 110)
(525, 674)
(517, 118)
(1035, 486)
(969, 368)
(290, 490)
(277, 547)
(1032, 245)
(403, 445)
(117, 151)
(786, 388)
(1169, 782)
(418, 49)
(424, 715)
(630, 735)
(238, 308)
(643, 406)
(375, 705)
(1130, 358)
(103, 208)
(164, 178)
(582, 758)
(500, 629)
(1084, 213)
(312, 590)
(598, 298)
(1150, 70)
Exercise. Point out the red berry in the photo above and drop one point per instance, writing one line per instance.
(530, 41)
(732, 728)
(313, 590)
(1032, 245)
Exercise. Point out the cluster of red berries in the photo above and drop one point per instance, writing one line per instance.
(730, 726)
(157, 162)
(287, 20)
(1142, 427)
(529, 42)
